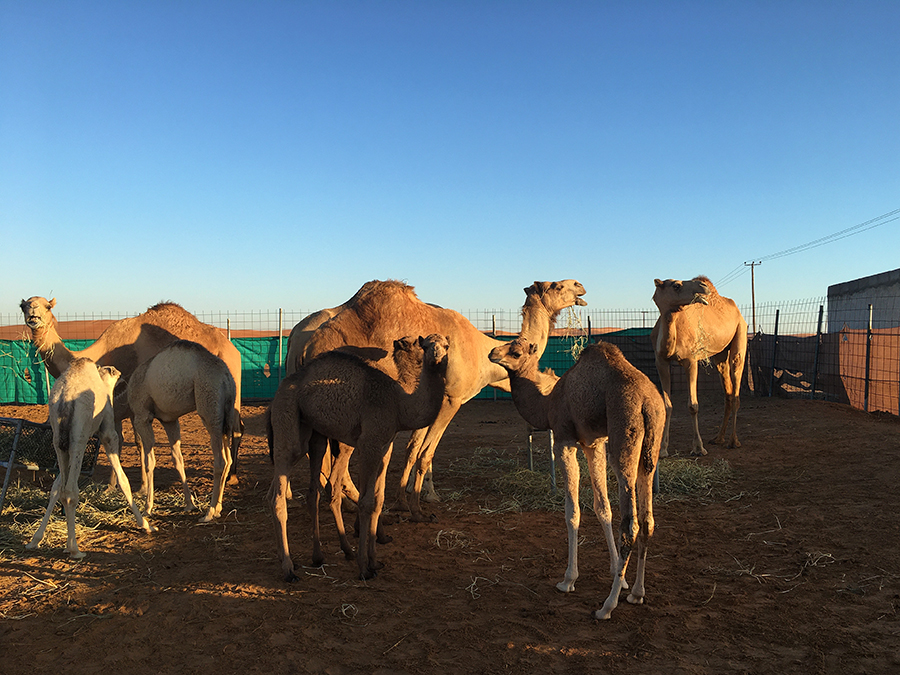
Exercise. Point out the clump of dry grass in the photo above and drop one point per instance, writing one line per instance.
(523, 490)
(98, 509)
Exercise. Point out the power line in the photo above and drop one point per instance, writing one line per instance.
(883, 219)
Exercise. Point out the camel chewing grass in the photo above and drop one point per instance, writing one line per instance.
(613, 411)
(81, 405)
(696, 325)
(341, 397)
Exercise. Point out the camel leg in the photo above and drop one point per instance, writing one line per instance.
(373, 470)
(173, 433)
(54, 497)
(413, 451)
(339, 478)
(143, 430)
(647, 525)
(318, 448)
(690, 367)
(221, 464)
(572, 479)
(596, 462)
(731, 369)
(278, 499)
(110, 440)
(628, 532)
(663, 367)
(432, 438)
(70, 467)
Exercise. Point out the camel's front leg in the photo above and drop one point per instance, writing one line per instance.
(432, 438)
(664, 368)
(173, 433)
(373, 470)
(572, 479)
(731, 368)
(690, 367)
(110, 441)
(338, 478)
(413, 452)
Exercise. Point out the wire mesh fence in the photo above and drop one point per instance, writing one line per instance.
(838, 351)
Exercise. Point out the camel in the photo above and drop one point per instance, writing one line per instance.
(391, 309)
(129, 342)
(339, 396)
(613, 411)
(697, 324)
(182, 378)
(80, 406)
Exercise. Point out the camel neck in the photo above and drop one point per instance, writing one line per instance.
(50, 346)
(530, 401)
(537, 322)
(425, 401)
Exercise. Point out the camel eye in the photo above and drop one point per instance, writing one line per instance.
(677, 286)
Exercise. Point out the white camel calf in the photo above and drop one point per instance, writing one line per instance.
(81, 405)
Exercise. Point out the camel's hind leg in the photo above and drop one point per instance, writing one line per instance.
(572, 479)
(221, 462)
(110, 440)
(173, 433)
(318, 449)
(413, 451)
(338, 478)
(432, 438)
(54, 497)
(731, 370)
(664, 369)
(646, 525)
(596, 462)
(373, 470)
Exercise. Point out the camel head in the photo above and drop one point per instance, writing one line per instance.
(36, 311)
(557, 295)
(109, 375)
(673, 295)
(436, 348)
(514, 355)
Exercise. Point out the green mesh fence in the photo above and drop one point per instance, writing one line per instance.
(23, 378)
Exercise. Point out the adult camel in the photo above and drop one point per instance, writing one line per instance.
(697, 324)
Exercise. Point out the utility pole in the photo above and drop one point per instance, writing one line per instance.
(752, 265)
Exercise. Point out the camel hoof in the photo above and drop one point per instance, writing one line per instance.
(431, 497)
(635, 600)
(77, 555)
(150, 529)
(290, 577)
(698, 453)
(565, 587)
(384, 539)
(233, 479)
(600, 615)
(350, 554)
(368, 574)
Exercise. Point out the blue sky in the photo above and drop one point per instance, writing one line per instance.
(256, 155)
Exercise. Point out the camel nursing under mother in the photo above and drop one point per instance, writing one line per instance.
(127, 343)
(697, 324)
(384, 311)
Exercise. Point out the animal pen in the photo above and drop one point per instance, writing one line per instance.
(800, 348)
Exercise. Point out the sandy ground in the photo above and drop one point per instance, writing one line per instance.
(795, 568)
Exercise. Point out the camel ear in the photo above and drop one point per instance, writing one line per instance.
(52, 303)
(657, 282)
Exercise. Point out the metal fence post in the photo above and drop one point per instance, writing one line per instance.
(774, 354)
(868, 354)
(280, 343)
(812, 393)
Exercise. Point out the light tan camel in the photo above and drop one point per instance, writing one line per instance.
(80, 406)
(129, 342)
(391, 309)
(182, 378)
(613, 411)
(697, 324)
(339, 396)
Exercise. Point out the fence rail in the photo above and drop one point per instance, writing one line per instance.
(798, 348)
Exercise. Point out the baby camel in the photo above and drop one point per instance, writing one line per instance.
(341, 397)
(613, 411)
(81, 405)
(183, 377)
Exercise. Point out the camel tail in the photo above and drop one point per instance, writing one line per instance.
(65, 425)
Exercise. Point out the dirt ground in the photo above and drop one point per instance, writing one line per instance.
(797, 570)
